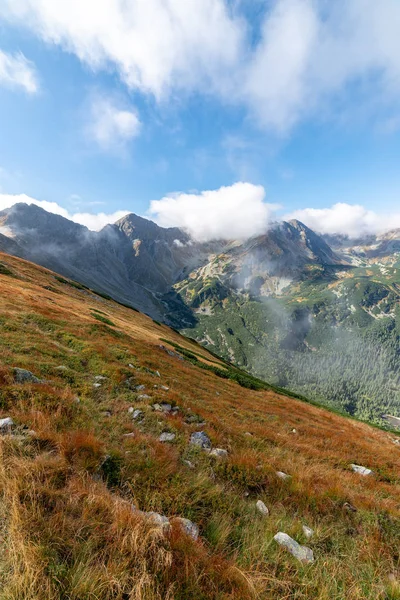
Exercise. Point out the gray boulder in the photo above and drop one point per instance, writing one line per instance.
(137, 414)
(24, 376)
(302, 553)
(200, 439)
(188, 527)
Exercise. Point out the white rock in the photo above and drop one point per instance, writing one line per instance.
(157, 519)
(167, 437)
(188, 527)
(6, 424)
(137, 414)
(262, 508)
(144, 397)
(302, 553)
(97, 385)
(308, 532)
(131, 410)
(361, 470)
(100, 378)
(219, 453)
(164, 387)
(283, 475)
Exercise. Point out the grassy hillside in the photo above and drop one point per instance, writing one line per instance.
(77, 466)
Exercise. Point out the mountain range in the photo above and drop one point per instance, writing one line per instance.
(318, 315)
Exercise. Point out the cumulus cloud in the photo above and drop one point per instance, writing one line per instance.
(111, 126)
(309, 57)
(16, 71)
(94, 222)
(235, 212)
(352, 220)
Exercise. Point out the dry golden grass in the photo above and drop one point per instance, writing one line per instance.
(67, 490)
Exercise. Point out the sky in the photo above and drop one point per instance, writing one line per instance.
(219, 116)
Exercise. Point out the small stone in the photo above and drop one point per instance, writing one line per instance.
(188, 527)
(361, 470)
(100, 378)
(248, 434)
(308, 532)
(137, 414)
(165, 407)
(131, 410)
(167, 437)
(97, 385)
(129, 435)
(131, 366)
(62, 368)
(262, 508)
(24, 376)
(157, 519)
(201, 439)
(6, 424)
(349, 507)
(219, 453)
(144, 397)
(164, 387)
(302, 553)
(140, 388)
(157, 374)
(294, 430)
(283, 475)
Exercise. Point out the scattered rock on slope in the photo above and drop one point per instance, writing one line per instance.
(283, 475)
(219, 453)
(262, 508)
(188, 527)
(308, 532)
(167, 437)
(24, 376)
(302, 553)
(361, 470)
(6, 424)
(201, 439)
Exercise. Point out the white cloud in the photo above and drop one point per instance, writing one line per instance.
(155, 45)
(235, 212)
(352, 220)
(16, 71)
(312, 57)
(95, 222)
(111, 126)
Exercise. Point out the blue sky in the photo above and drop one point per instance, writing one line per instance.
(112, 106)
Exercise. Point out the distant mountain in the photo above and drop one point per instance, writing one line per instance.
(319, 315)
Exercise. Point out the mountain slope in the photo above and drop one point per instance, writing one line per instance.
(321, 319)
(78, 469)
